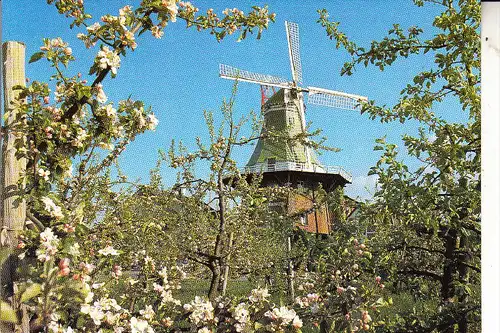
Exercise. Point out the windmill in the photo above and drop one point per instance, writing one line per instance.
(292, 90)
(290, 162)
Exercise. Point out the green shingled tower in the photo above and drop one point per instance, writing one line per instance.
(282, 115)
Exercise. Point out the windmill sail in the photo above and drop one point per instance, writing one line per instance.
(233, 73)
(334, 99)
(292, 36)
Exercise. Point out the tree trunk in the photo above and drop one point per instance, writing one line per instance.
(226, 265)
(447, 290)
(215, 281)
(216, 264)
(463, 258)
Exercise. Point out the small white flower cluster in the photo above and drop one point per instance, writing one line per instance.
(44, 174)
(109, 112)
(94, 27)
(188, 6)
(100, 95)
(148, 312)
(81, 137)
(57, 43)
(107, 58)
(54, 210)
(90, 41)
(201, 311)
(105, 309)
(108, 251)
(55, 327)
(283, 317)
(149, 122)
(113, 25)
(74, 250)
(48, 245)
(106, 146)
(115, 20)
(165, 290)
(140, 326)
(242, 317)
(172, 9)
(157, 32)
(311, 300)
(259, 295)
(61, 92)
(235, 11)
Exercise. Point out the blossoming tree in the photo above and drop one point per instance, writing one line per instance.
(76, 122)
(428, 217)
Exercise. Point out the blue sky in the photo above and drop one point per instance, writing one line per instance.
(178, 74)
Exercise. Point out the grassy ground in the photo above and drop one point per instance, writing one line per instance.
(195, 287)
(235, 288)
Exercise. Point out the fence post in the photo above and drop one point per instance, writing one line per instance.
(12, 211)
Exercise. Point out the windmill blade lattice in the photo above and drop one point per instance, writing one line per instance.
(292, 34)
(234, 73)
(334, 99)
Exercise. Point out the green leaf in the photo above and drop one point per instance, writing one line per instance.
(7, 314)
(33, 290)
(37, 56)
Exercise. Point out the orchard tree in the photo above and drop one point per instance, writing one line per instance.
(427, 217)
(75, 122)
(224, 220)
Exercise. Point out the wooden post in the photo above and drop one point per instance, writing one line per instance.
(12, 211)
(291, 272)
(226, 269)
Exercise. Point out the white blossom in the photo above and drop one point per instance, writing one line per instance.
(140, 326)
(157, 32)
(241, 315)
(151, 122)
(81, 136)
(48, 245)
(283, 316)
(258, 295)
(148, 312)
(53, 209)
(104, 309)
(101, 96)
(94, 27)
(74, 249)
(108, 58)
(172, 8)
(297, 322)
(201, 311)
(108, 250)
(44, 174)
